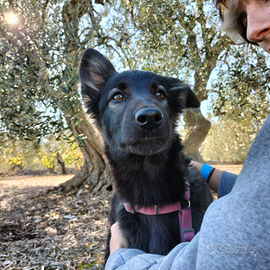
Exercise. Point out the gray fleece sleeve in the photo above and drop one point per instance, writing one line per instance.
(226, 183)
(126, 259)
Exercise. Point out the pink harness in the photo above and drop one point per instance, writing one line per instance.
(184, 214)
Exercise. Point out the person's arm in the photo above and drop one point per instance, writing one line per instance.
(219, 181)
(214, 180)
(117, 239)
(120, 253)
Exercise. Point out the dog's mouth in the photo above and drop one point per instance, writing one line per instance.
(146, 146)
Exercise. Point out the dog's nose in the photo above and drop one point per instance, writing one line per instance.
(149, 118)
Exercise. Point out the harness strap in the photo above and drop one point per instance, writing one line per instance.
(185, 221)
(184, 215)
(154, 210)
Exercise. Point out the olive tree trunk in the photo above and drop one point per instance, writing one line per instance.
(198, 128)
(95, 174)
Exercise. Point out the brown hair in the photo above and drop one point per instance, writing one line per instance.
(231, 22)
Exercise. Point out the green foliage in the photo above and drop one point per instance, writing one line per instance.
(40, 54)
(244, 91)
(38, 70)
(39, 58)
(176, 38)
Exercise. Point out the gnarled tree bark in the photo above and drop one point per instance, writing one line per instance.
(96, 173)
(198, 128)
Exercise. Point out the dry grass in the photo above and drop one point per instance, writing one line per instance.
(54, 231)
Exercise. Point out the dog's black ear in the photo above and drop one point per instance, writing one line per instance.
(183, 91)
(192, 100)
(94, 70)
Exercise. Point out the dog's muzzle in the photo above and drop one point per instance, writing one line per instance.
(149, 118)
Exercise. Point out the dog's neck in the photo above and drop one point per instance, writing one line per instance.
(148, 180)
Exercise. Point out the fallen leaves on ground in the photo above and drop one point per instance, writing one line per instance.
(55, 231)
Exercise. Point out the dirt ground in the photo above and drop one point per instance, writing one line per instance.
(55, 231)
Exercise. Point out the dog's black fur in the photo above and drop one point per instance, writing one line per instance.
(136, 111)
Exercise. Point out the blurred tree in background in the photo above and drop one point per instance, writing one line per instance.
(27, 155)
(228, 141)
(62, 152)
(241, 101)
(243, 92)
(40, 52)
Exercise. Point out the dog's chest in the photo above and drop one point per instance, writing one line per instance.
(152, 234)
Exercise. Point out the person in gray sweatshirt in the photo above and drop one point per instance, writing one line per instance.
(235, 232)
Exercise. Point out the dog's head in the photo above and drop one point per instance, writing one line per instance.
(135, 110)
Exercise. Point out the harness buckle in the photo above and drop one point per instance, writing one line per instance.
(156, 209)
(187, 234)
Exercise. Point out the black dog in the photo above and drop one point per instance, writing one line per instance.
(136, 111)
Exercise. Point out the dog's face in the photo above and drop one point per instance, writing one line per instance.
(135, 110)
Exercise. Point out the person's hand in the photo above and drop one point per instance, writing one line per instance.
(117, 239)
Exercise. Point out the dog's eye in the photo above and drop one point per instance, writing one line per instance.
(117, 97)
(159, 94)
